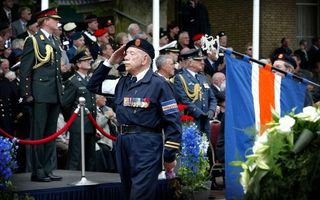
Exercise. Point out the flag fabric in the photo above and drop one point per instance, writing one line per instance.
(251, 94)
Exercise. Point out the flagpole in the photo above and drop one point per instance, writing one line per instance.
(156, 28)
(245, 57)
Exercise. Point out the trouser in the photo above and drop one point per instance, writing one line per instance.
(74, 151)
(43, 156)
(139, 161)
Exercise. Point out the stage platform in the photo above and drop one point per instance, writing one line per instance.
(108, 187)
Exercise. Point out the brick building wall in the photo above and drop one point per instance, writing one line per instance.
(277, 20)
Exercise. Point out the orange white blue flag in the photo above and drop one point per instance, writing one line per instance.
(251, 95)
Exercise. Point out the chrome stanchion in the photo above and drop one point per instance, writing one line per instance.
(84, 180)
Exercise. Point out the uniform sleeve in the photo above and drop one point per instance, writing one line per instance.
(26, 67)
(171, 123)
(68, 99)
(191, 107)
(212, 100)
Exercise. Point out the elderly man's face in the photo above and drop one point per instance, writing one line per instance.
(134, 59)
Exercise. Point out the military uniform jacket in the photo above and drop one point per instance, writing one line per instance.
(206, 102)
(75, 87)
(148, 103)
(43, 83)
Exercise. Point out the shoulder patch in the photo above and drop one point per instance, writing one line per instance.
(41, 37)
(169, 107)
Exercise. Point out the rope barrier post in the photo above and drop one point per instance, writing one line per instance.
(84, 180)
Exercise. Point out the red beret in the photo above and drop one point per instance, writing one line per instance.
(197, 37)
(100, 32)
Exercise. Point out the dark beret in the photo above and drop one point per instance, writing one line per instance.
(75, 36)
(162, 33)
(221, 33)
(32, 21)
(143, 45)
(195, 54)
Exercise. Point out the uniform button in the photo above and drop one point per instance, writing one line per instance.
(2, 109)
(27, 86)
(27, 93)
(2, 115)
(1, 105)
(40, 79)
(27, 78)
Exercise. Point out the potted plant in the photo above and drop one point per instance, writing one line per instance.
(285, 159)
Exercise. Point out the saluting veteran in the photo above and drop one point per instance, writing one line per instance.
(145, 106)
(41, 85)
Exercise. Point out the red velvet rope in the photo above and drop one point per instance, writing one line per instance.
(47, 139)
(93, 121)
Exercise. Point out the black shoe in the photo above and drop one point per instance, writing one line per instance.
(40, 179)
(54, 177)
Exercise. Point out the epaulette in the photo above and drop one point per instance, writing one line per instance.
(42, 37)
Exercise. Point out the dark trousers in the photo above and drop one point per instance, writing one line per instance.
(43, 156)
(139, 161)
(74, 151)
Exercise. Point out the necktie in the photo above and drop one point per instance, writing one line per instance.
(197, 77)
(51, 39)
(132, 80)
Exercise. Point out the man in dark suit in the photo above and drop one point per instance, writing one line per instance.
(314, 52)
(302, 53)
(19, 26)
(89, 37)
(32, 28)
(41, 86)
(75, 87)
(8, 11)
(193, 89)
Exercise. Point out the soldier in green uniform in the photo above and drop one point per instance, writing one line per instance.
(41, 87)
(75, 87)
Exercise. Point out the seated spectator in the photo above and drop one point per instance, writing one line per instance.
(105, 154)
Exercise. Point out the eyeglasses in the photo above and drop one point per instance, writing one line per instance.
(249, 49)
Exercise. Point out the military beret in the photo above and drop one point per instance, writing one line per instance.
(221, 34)
(286, 58)
(109, 23)
(90, 18)
(76, 36)
(143, 45)
(70, 26)
(172, 47)
(81, 56)
(31, 21)
(50, 12)
(162, 33)
(197, 37)
(101, 32)
(195, 54)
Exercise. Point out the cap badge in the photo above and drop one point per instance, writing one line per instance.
(137, 42)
